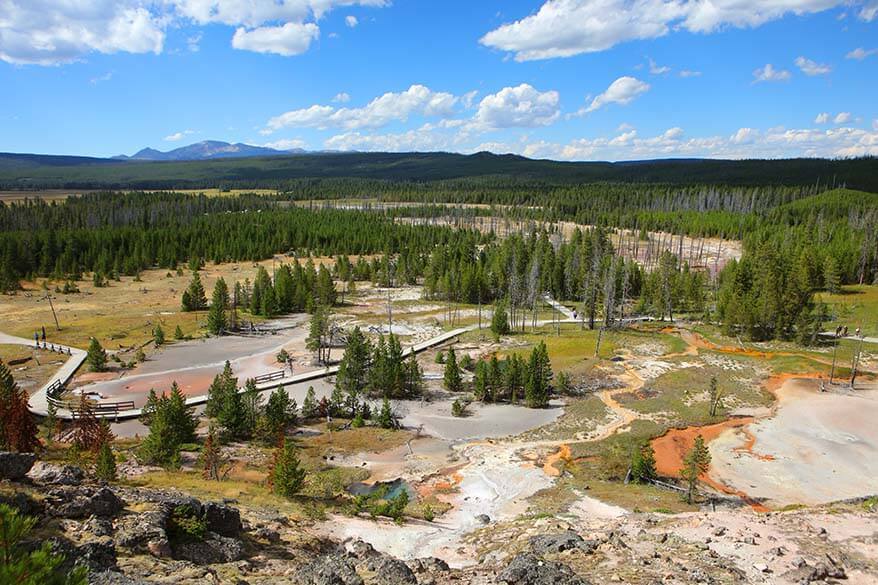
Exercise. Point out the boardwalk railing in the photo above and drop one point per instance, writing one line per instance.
(103, 409)
(269, 377)
(55, 389)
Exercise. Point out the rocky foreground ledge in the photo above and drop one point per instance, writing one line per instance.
(128, 536)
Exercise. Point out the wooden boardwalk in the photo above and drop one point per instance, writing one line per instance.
(39, 400)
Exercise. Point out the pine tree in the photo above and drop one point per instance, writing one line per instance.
(337, 401)
(171, 423)
(414, 377)
(178, 333)
(96, 356)
(51, 422)
(18, 430)
(309, 406)
(452, 378)
(514, 377)
(181, 415)
(695, 463)
(480, 382)
(186, 302)
(232, 415)
(213, 464)
(217, 323)
(158, 336)
(287, 475)
(194, 298)
(500, 319)
(222, 384)
(538, 377)
(105, 465)
(715, 395)
(280, 414)
(318, 334)
(325, 288)
(149, 408)
(24, 563)
(353, 371)
(831, 276)
(252, 402)
(643, 464)
(89, 432)
(386, 418)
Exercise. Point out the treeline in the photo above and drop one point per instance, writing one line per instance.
(286, 172)
(124, 234)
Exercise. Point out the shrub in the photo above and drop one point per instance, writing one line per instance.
(105, 466)
(26, 565)
(287, 475)
(185, 525)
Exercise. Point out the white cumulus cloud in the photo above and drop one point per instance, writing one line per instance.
(177, 136)
(769, 73)
(745, 136)
(293, 38)
(351, 21)
(523, 106)
(389, 107)
(622, 91)
(254, 13)
(822, 118)
(341, 98)
(842, 118)
(563, 28)
(53, 32)
(860, 53)
(46, 32)
(744, 143)
(657, 69)
(812, 68)
(286, 144)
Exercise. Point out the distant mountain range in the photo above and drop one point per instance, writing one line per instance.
(208, 149)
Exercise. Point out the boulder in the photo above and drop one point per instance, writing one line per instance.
(361, 549)
(96, 555)
(529, 569)
(97, 526)
(82, 502)
(824, 571)
(222, 519)
(14, 466)
(268, 534)
(212, 550)
(390, 571)
(144, 533)
(22, 502)
(556, 543)
(329, 570)
(429, 565)
(51, 474)
(113, 578)
(483, 519)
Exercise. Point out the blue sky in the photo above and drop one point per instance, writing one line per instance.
(562, 79)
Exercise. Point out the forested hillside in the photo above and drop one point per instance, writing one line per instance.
(795, 243)
(486, 171)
